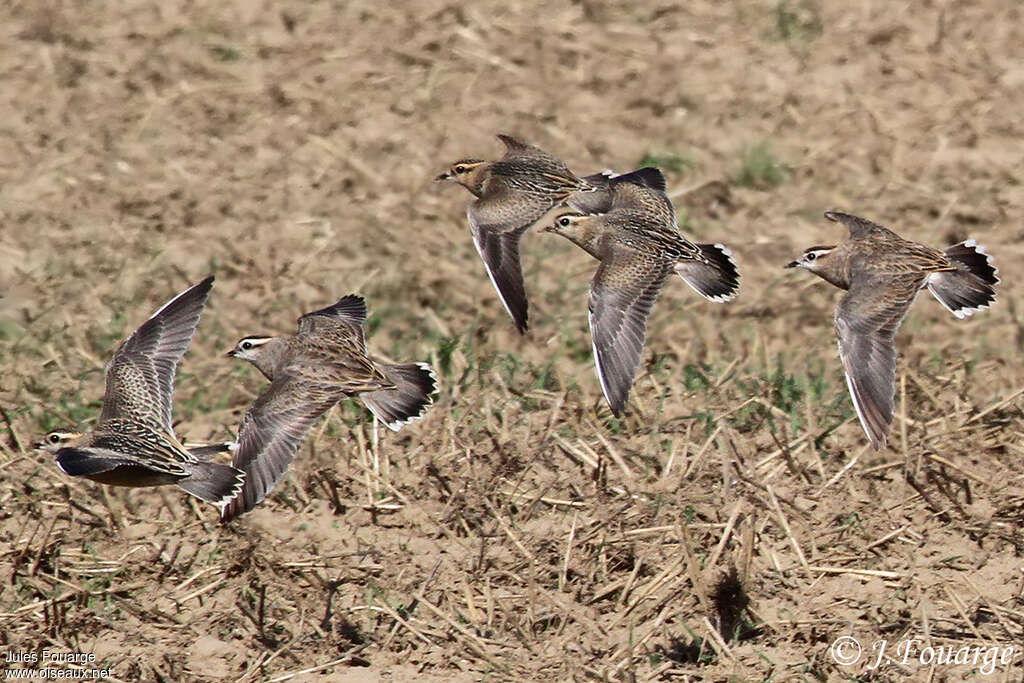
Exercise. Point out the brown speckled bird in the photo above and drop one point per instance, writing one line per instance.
(512, 194)
(882, 273)
(323, 363)
(639, 246)
(638, 184)
(133, 442)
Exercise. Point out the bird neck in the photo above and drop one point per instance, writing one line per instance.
(836, 270)
(476, 181)
(270, 357)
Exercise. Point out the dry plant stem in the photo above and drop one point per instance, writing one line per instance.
(787, 530)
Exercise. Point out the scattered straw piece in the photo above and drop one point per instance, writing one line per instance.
(853, 570)
(785, 527)
(733, 516)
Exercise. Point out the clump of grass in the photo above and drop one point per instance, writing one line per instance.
(103, 342)
(672, 162)
(695, 377)
(760, 168)
(798, 23)
(10, 329)
(225, 53)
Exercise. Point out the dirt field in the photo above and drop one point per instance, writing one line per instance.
(731, 527)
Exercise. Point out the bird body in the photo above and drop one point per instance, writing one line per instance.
(133, 443)
(639, 246)
(323, 363)
(512, 194)
(882, 274)
(644, 189)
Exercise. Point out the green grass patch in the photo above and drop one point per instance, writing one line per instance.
(670, 162)
(796, 23)
(760, 169)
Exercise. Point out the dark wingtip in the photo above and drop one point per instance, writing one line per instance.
(649, 176)
(521, 320)
(76, 462)
(351, 306)
(203, 286)
(511, 142)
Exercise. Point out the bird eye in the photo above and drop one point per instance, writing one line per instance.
(565, 221)
(811, 256)
(460, 168)
(54, 438)
(246, 345)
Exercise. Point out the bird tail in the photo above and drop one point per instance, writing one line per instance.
(969, 288)
(415, 384)
(213, 482)
(716, 278)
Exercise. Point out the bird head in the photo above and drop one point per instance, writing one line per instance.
(263, 352)
(569, 224)
(249, 348)
(54, 441)
(813, 259)
(466, 172)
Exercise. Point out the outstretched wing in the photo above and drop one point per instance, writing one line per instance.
(859, 227)
(498, 222)
(621, 297)
(272, 430)
(610, 189)
(514, 145)
(866, 322)
(643, 190)
(140, 376)
(350, 310)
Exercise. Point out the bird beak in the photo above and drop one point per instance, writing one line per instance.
(38, 445)
(444, 176)
(792, 264)
(230, 354)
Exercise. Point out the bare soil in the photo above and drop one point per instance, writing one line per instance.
(731, 527)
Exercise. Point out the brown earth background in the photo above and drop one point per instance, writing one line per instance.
(518, 532)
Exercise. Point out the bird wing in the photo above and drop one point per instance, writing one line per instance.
(349, 310)
(514, 145)
(337, 360)
(859, 227)
(866, 322)
(127, 442)
(498, 222)
(80, 462)
(596, 200)
(140, 376)
(911, 257)
(271, 432)
(621, 297)
(639, 200)
(610, 189)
